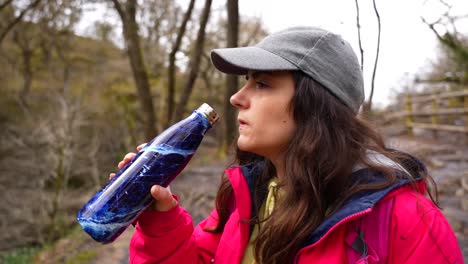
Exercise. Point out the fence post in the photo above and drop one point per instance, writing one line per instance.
(409, 117)
(465, 99)
(434, 120)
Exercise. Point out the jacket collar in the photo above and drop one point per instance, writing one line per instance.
(357, 203)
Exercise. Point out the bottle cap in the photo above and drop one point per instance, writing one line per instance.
(209, 113)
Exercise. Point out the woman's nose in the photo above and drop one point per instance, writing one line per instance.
(238, 99)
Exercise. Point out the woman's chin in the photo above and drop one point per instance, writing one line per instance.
(244, 146)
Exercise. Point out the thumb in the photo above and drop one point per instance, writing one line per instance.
(164, 199)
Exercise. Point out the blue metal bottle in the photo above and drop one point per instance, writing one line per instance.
(111, 210)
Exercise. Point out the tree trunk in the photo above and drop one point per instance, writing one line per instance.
(358, 26)
(232, 81)
(61, 49)
(195, 63)
(58, 183)
(132, 42)
(27, 75)
(172, 69)
(368, 106)
(26, 68)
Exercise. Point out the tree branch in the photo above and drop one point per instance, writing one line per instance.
(376, 56)
(253, 33)
(130, 8)
(119, 8)
(3, 5)
(445, 4)
(359, 34)
(172, 68)
(18, 19)
(431, 26)
(195, 61)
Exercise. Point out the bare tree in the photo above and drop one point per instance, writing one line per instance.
(23, 37)
(369, 103)
(103, 31)
(58, 19)
(61, 37)
(127, 13)
(232, 81)
(358, 25)
(158, 20)
(171, 72)
(5, 4)
(17, 19)
(43, 152)
(194, 63)
(48, 25)
(367, 107)
(453, 41)
(252, 31)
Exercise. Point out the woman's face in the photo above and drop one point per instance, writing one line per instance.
(266, 124)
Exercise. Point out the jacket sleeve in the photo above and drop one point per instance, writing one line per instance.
(422, 234)
(169, 237)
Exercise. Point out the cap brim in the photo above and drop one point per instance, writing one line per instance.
(239, 61)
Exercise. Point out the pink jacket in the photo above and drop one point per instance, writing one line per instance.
(419, 233)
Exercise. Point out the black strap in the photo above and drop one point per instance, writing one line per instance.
(359, 244)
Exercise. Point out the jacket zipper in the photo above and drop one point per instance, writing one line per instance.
(356, 215)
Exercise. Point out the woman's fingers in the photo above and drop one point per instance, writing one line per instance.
(164, 199)
(128, 157)
(141, 146)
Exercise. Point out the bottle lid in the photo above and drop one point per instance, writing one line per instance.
(209, 113)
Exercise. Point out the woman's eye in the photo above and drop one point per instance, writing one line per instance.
(261, 85)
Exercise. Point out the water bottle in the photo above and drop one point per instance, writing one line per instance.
(111, 210)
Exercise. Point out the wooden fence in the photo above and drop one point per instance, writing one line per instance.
(442, 111)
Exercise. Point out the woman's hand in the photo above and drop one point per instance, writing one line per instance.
(164, 201)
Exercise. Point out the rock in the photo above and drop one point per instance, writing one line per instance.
(449, 201)
(464, 181)
(457, 226)
(464, 204)
(435, 163)
(457, 218)
(460, 193)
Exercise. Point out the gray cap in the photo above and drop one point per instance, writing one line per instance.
(324, 56)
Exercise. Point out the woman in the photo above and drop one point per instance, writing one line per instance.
(312, 183)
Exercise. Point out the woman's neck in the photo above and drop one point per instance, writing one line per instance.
(278, 163)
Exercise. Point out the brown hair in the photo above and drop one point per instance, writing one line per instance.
(329, 141)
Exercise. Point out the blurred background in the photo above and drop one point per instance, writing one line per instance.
(83, 82)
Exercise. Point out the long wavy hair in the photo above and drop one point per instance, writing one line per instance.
(329, 141)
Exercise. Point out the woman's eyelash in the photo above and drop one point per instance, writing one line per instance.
(261, 84)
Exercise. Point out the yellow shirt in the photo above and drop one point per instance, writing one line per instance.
(265, 210)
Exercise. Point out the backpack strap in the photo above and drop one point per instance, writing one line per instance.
(368, 236)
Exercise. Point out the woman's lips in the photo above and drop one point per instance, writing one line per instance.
(242, 123)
